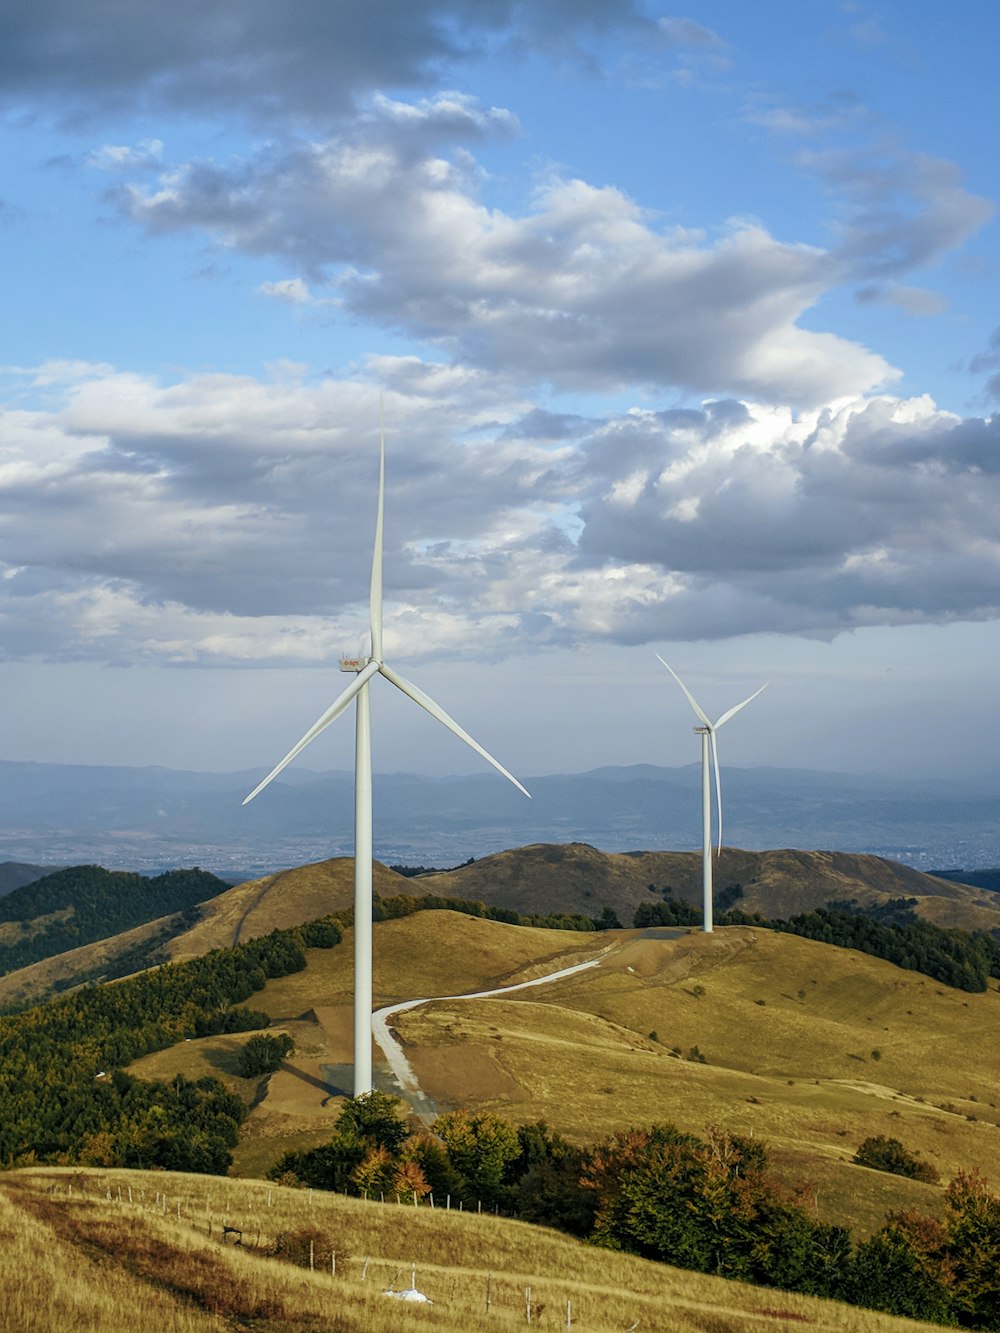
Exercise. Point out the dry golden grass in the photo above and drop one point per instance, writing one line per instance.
(278, 902)
(788, 1027)
(107, 1251)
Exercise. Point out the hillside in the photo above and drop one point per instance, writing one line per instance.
(575, 877)
(542, 878)
(811, 1047)
(112, 1250)
(14, 874)
(82, 904)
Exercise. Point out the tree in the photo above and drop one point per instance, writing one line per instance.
(890, 1273)
(373, 1117)
(263, 1054)
(973, 1225)
(482, 1147)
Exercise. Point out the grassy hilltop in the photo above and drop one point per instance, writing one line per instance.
(544, 878)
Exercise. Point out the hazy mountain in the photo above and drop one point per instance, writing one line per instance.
(150, 818)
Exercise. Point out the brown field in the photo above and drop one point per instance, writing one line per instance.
(104, 1251)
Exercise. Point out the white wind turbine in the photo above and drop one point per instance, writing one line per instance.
(366, 669)
(708, 742)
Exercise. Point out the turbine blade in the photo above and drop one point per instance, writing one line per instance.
(690, 697)
(333, 712)
(436, 711)
(718, 781)
(375, 597)
(733, 711)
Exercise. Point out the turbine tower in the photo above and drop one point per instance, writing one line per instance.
(365, 669)
(707, 732)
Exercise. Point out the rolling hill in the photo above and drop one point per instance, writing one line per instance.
(575, 877)
(812, 1047)
(808, 1047)
(542, 878)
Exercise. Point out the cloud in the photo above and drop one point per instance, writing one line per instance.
(989, 360)
(123, 157)
(225, 519)
(687, 32)
(581, 290)
(272, 62)
(293, 291)
(901, 210)
(915, 301)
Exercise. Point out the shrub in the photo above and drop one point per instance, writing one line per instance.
(263, 1055)
(885, 1154)
(297, 1247)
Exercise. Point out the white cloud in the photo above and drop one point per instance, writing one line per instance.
(124, 157)
(226, 519)
(583, 290)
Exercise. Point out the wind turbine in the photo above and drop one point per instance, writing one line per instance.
(365, 670)
(707, 732)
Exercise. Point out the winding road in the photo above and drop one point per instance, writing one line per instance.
(391, 1048)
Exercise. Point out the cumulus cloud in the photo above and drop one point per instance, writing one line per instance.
(227, 519)
(582, 290)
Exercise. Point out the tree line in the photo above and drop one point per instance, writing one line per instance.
(64, 1096)
(706, 1203)
(82, 904)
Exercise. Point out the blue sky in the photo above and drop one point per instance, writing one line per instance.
(686, 323)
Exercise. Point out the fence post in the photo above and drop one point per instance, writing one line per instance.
(527, 1304)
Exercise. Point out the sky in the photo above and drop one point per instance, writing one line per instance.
(687, 330)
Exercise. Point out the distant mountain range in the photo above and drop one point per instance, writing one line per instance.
(154, 818)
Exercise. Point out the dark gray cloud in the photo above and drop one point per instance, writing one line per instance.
(307, 58)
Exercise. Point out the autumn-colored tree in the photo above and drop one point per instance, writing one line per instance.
(973, 1226)
(409, 1182)
(373, 1176)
